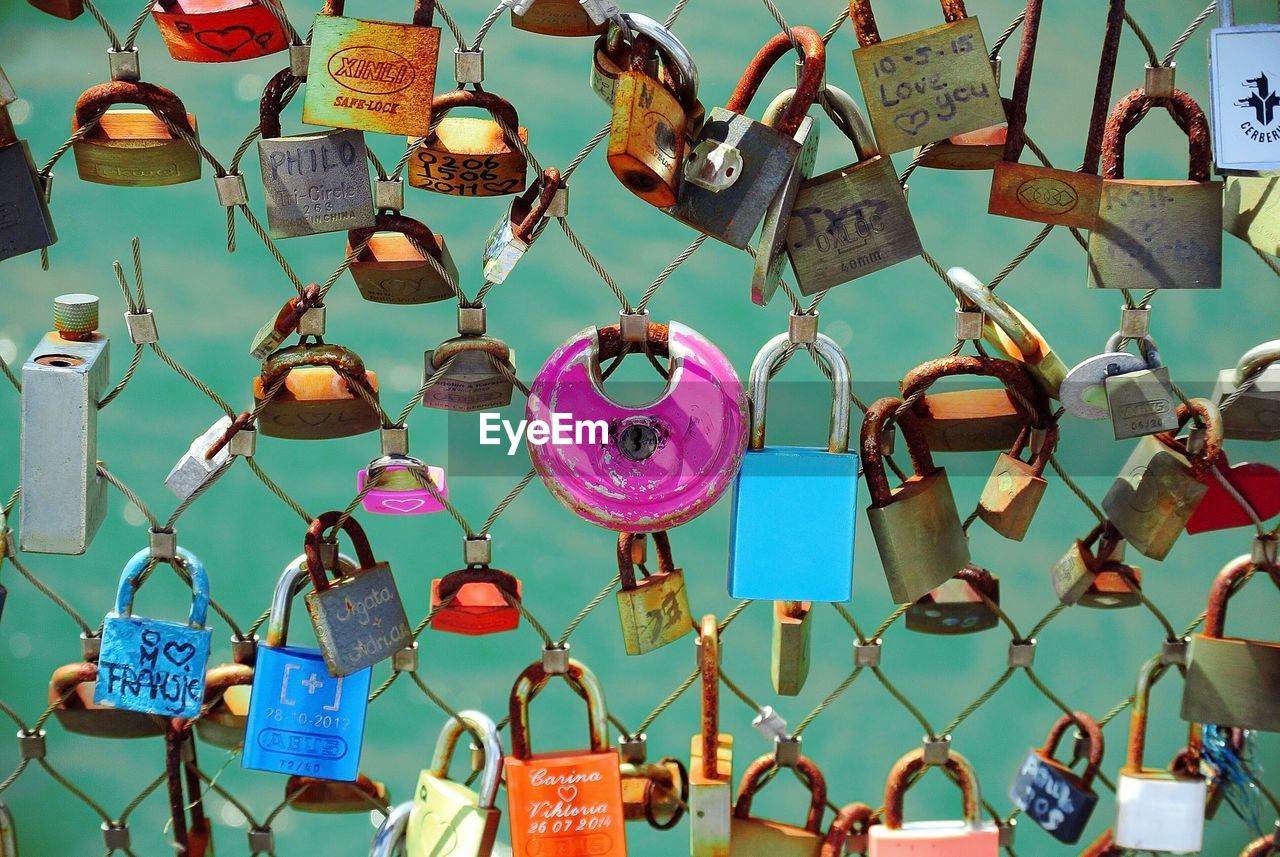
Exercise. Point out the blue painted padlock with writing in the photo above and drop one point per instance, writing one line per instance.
(155, 665)
(792, 526)
(301, 719)
(1049, 792)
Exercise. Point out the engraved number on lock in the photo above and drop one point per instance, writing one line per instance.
(900, 85)
(466, 176)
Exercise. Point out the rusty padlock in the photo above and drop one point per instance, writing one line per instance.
(965, 604)
(987, 419)
(654, 610)
(469, 156)
(134, 147)
(1014, 489)
(392, 268)
(317, 399)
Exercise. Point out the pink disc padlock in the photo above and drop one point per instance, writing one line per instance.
(652, 466)
(399, 492)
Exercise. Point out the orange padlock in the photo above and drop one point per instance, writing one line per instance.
(475, 600)
(468, 156)
(220, 30)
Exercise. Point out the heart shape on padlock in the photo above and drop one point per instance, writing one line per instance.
(1258, 483)
(228, 40)
(408, 504)
(911, 123)
(179, 653)
(568, 794)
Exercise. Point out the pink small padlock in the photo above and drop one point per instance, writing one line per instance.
(650, 467)
(398, 490)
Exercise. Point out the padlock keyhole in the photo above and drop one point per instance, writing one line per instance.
(60, 361)
(637, 441)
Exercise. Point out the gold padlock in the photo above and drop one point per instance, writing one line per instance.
(1015, 488)
(469, 156)
(134, 147)
(653, 611)
(392, 267)
(755, 836)
(968, 420)
(792, 632)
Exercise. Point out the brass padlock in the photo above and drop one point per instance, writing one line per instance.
(973, 420)
(710, 757)
(1157, 234)
(554, 18)
(1159, 487)
(653, 611)
(1074, 574)
(754, 836)
(656, 793)
(1014, 489)
(1255, 413)
(393, 266)
(792, 633)
(965, 604)
(472, 382)
(25, 222)
(71, 693)
(1142, 401)
(318, 399)
(916, 526)
(225, 714)
(1251, 211)
(469, 156)
(134, 147)
(1116, 586)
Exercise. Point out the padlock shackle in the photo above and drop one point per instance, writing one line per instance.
(610, 344)
(1150, 673)
(95, 100)
(70, 676)
(762, 367)
(460, 344)
(531, 681)
(185, 561)
(1029, 344)
(1013, 376)
(1016, 108)
(502, 110)
(1226, 13)
(849, 119)
(1225, 585)
(626, 568)
(275, 95)
(528, 209)
(842, 828)
(311, 548)
(873, 468)
(982, 581)
(811, 74)
(1039, 459)
(1202, 462)
(708, 646)
(416, 231)
(289, 584)
(220, 679)
(390, 836)
(676, 59)
(1188, 116)
(451, 584)
(768, 762)
(1092, 732)
(482, 724)
(1147, 348)
(906, 769)
(1102, 90)
(1257, 359)
(864, 20)
(423, 10)
(342, 360)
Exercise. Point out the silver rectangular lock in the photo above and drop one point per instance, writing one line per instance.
(1243, 80)
(1255, 414)
(193, 470)
(1141, 403)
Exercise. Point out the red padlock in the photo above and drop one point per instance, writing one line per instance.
(220, 30)
(475, 600)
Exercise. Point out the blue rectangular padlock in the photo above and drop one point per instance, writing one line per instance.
(154, 665)
(301, 719)
(795, 508)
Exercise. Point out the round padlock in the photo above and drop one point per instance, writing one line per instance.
(658, 464)
(1083, 392)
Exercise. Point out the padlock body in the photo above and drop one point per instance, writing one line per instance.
(1232, 682)
(557, 18)
(66, 9)
(654, 613)
(1154, 496)
(359, 620)
(392, 271)
(152, 665)
(286, 416)
(1045, 195)
(1141, 403)
(790, 646)
(1110, 589)
(502, 250)
(469, 157)
(647, 138)
(219, 30)
(955, 607)
(1243, 100)
(316, 183)
(65, 501)
(25, 222)
(793, 490)
(1011, 497)
(131, 147)
(849, 223)
(975, 150)
(81, 715)
(982, 420)
(1073, 573)
(770, 256)
(919, 537)
(1053, 797)
(710, 800)
(1157, 235)
(303, 720)
(909, 101)
(1159, 811)
(566, 803)
(471, 384)
(934, 839)
(447, 819)
(1255, 415)
(193, 470)
(1251, 212)
(478, 608)
(224, 723)
(371, 76)
(761, 836)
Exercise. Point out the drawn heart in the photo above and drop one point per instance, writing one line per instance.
(179, 653)
(409, 504)
(568, 794)
(1258, 483)
(911, 123)
(228, 40)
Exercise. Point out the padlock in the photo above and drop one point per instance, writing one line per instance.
(359, 619)
(650, 126)
(469, 156)
(448, 817)
(965, 604)
(314, 183)
(1246, 123)
(1140, 402)
(1052, 795)
(653, 611)
(554, 18)
(389, 838)
(25, 222)
(300, 717)
(638, 469)
(72, 689)
(905, 80)
(973, 150)
(194, 469)
(472, 382)
(1255, 413)
(1159, 487)
(968, 420)
(1014, 489)
(1157, 234)
(134, 147)
(1100, 579)
(153, 665)
(511, 236)
(789, 489)
(566, 801)
(916, 526)
(64, 378)
(67, 9)
(316, 401)
(751, 836)
(655, 793)
(1265, 846)
(220, 30)
(1251, 211)
(225, 715)
(317, 794)
(1084, 391)
(710, 756)
(188, 824)
(476, 600)
(1254, 483)
(285, 323)
(849, 831)
(1230, 681)
(968, 838)
(791, 646)
(397, 489)
(392, 268)
(736, 165)
(372, 75)
(1156, 809)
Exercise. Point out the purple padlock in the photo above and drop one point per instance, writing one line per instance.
(399, 492)
(653, 466)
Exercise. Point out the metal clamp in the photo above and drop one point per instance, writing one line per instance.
(477, 550)
(559, 206)
(388, 194)
(1135, 322)
(1022, 653)
(1264, 552)
(90, 646)
(1174, 652)
(124, 65)
(244, 442)
(31, 744)
(163, 544)
(555, 660)
(867, 654)
(312, 322)
(937, 751)
(1159, 81)
(786, 751)
(802, 329)
(142, 327)
(299, 60)
(468, 66)
(1008, 832)
(405, 660)
(472, 320)
(262, 840)
(116, 836)
(634, 325)
(969, 324)
(395, 440)
(634, 750)
(244, 649)
(770, 724)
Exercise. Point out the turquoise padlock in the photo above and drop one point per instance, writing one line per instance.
(155, 666)
(792, 527)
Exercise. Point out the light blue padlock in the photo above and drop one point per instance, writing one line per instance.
(301, 719)
(155, 666)
(794, 508)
